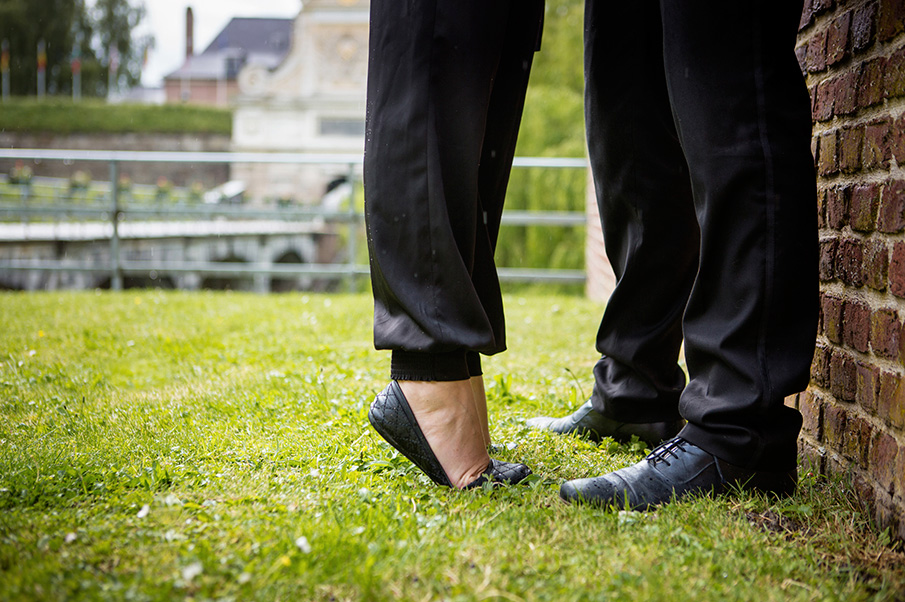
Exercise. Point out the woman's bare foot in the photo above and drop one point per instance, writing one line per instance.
(480, 402)
(447, 414)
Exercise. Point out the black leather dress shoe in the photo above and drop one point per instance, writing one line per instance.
(675, 469)
(392, 417)
(588, 421)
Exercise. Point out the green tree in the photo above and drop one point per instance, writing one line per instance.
(23, 23)
(552, 126)
(69, 27)
(113, 22)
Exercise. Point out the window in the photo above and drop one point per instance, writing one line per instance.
(342, 127)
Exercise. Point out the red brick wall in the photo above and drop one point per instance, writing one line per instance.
(201, 91)
(853, 53)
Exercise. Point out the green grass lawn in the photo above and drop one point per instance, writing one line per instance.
(160, 446)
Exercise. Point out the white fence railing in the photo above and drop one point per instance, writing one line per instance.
(111, 209)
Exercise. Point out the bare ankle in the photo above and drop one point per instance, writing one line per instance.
(447, 416)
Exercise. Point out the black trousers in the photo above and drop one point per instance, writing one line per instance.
(698, 128)
(699, 136)
(446, 87)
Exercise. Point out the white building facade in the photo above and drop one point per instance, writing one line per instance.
(313, 102)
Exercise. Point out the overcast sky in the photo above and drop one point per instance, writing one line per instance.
(165, 19)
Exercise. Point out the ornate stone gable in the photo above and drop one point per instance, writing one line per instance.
(314, 102)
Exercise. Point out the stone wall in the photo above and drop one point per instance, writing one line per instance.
(180, 174)
(853, 54)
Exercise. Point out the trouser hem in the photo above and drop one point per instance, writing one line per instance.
(414, 365)
(779, 456)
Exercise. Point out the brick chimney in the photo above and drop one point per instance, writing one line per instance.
(189, 33)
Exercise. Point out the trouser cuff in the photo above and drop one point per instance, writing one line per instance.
(412, 365)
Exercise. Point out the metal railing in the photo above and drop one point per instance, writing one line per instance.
(113, 211)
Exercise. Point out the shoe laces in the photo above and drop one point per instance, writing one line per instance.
(665, 450)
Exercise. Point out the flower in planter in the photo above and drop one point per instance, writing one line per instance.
(164, 188)
(79, 181)
(20, 174)
(196, 192)
(124, 184)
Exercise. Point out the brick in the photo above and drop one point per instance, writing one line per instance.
(899, 483)
(897, 140)
(884, 515)
(891, 218)
(883, 452)
(902, 345)
(819, 316)
(811, 415)
(871, 82)
(877, 145)
(821, 208)
(823, 99)
(821, 6)
(856, 325)
(801, 53)
(851, 139)
(857, 439)
(837, 39)
(868, 387)
(846, 101)
(827, 265)
(849, 261)
(820, 366)
(817, 52)
(807, 15)
(834, 465)
(815, 146)
(876, 264)
(835, 420)
(895, 74)
(826, 161)
(863, 27)
(812, 457)
(837, 200)
(897, 270)
(832, 318)
(791, 401)
(885, 332)
(864, 203)
(891, 399)
(864, 490)
(892, 19)
(843, 376)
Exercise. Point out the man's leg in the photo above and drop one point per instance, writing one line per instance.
(649, 226)
(743, 116)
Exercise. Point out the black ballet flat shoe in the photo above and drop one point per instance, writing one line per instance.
(591, 423)
(392, 417)
(674, 470)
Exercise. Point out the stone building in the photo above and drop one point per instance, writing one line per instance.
(211, 77)
(312, 102)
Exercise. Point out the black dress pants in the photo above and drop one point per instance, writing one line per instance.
(699, 137)
(446, 87)
(699, 129)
